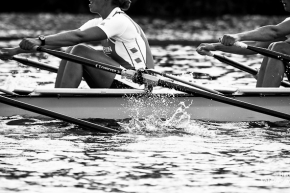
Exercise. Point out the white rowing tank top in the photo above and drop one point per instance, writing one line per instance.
(126, 40)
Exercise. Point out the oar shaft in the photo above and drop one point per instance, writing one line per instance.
(270, 53)
(35, 64)
(82, 60)
(265, 52)
(185, 82)
(243, 67)
(7, 92)
(224, 99)
(236, 64)
(52, 114)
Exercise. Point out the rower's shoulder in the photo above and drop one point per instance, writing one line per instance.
(91, 23)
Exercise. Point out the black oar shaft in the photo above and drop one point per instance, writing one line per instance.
(35, 64)
(52, 114)
(185, 82)
(243, 67)
(7, 92)
(270, 53)
(236, 64)
(82, 60)
(224, 99)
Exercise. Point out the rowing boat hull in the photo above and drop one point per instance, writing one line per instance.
(107, 106)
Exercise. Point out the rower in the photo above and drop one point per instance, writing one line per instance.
(274, 37)
(124, 44)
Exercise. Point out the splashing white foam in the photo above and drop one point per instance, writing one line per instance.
(165, 117)
(161, 119)
(10, 83)
(18, 81)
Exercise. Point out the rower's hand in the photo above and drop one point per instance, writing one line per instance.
(29, 43)
(204, 48)
(229, 39)
(7, 53)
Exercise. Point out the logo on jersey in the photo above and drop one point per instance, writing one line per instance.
(107, 50)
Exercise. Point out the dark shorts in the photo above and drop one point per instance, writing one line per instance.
(115, 84)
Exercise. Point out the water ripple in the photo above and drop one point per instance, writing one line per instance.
(173, 154)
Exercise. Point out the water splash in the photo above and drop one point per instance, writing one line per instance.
(18, 81)
(10, 83)
(161, 120)
(180, 118)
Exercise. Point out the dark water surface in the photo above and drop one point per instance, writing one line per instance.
(53, 156)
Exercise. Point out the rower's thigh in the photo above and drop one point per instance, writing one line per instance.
(95, 78)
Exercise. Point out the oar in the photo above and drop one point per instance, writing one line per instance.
(55, 115)
(264, 51)
(242, 67)
(7, 92)
(184, 82)
(35, 64)
(165, 83)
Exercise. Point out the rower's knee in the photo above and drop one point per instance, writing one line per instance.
(282, 47)
(80, 50)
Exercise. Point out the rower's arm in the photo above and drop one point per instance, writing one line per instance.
(205, 47)
(18, 50)
(238, 50)
(267, 33)
(65, 39)
(74, 37)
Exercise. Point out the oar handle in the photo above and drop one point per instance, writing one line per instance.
(208, 53)
(37, 48)
(241, 45)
